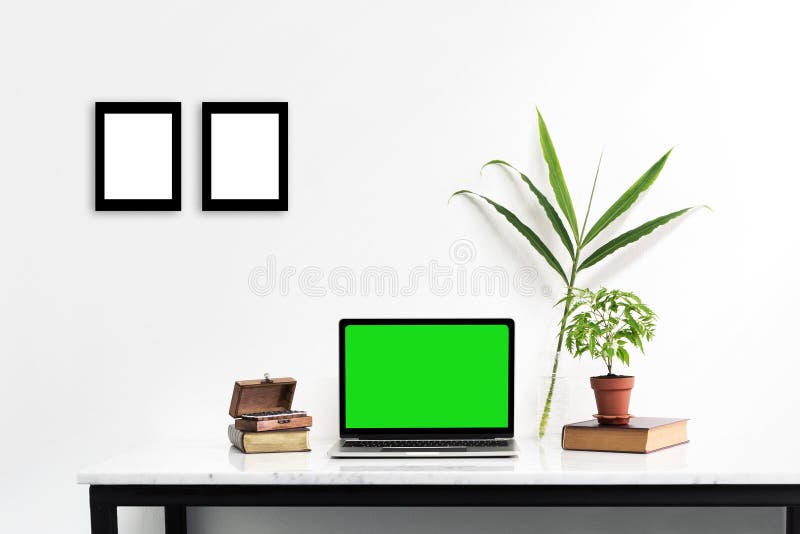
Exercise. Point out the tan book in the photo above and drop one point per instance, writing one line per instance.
(276, 441)
(640, 435)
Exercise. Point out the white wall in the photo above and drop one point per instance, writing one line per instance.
(124, 329)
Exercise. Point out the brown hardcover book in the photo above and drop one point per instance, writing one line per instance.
(640, 435)
(255, 425)
(293, 440)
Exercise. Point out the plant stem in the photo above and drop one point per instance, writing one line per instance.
(578, 246)
(554, 372)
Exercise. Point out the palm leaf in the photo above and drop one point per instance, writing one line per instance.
(529, 234)
(557, 177)
(549, 210)
(628, 198)
(629, 237)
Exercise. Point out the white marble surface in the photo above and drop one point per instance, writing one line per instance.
(693, 463)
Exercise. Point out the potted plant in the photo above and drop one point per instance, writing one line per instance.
(576, 239)
(604, 325)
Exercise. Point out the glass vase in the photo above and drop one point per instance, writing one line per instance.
(561, 391)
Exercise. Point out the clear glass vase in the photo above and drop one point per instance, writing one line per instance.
(561, 391)
(560, 406)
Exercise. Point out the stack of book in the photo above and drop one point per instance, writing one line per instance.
(264, 418)
(640, 435)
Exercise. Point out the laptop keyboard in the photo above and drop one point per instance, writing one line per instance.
(405, 444)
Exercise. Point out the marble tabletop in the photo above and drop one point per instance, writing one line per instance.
(219, 463)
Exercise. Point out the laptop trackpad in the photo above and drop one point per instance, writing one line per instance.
(424, 449)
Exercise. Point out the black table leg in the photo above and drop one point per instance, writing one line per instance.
(103, 517)
(175, 519)
(793, 520)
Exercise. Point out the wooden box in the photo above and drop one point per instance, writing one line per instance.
(256, 396)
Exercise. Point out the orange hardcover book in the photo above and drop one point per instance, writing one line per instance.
(254, 425)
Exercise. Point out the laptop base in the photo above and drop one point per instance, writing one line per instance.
(506, 450)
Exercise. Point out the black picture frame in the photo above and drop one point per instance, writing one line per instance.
(425, 433)
(136, 204)
(228, 204)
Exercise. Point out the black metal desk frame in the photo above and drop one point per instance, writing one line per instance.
(105, 499)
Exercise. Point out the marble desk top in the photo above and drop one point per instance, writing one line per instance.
(692, 463)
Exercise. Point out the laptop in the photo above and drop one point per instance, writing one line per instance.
(426, 388)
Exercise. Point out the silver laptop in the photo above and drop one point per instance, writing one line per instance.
(425, 388)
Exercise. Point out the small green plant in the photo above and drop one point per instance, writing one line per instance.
(605, 323)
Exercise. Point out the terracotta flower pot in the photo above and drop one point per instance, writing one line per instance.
(613, 396)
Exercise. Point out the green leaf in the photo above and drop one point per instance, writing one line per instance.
(549, 210)
(633, 338)
(623, 355)
(557, 177)
(629, 237)
(529, 234)
(632, 323)
(628, 198)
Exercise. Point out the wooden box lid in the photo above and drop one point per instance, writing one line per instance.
(253, 396)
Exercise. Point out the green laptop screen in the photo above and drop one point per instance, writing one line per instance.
(426, 375)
